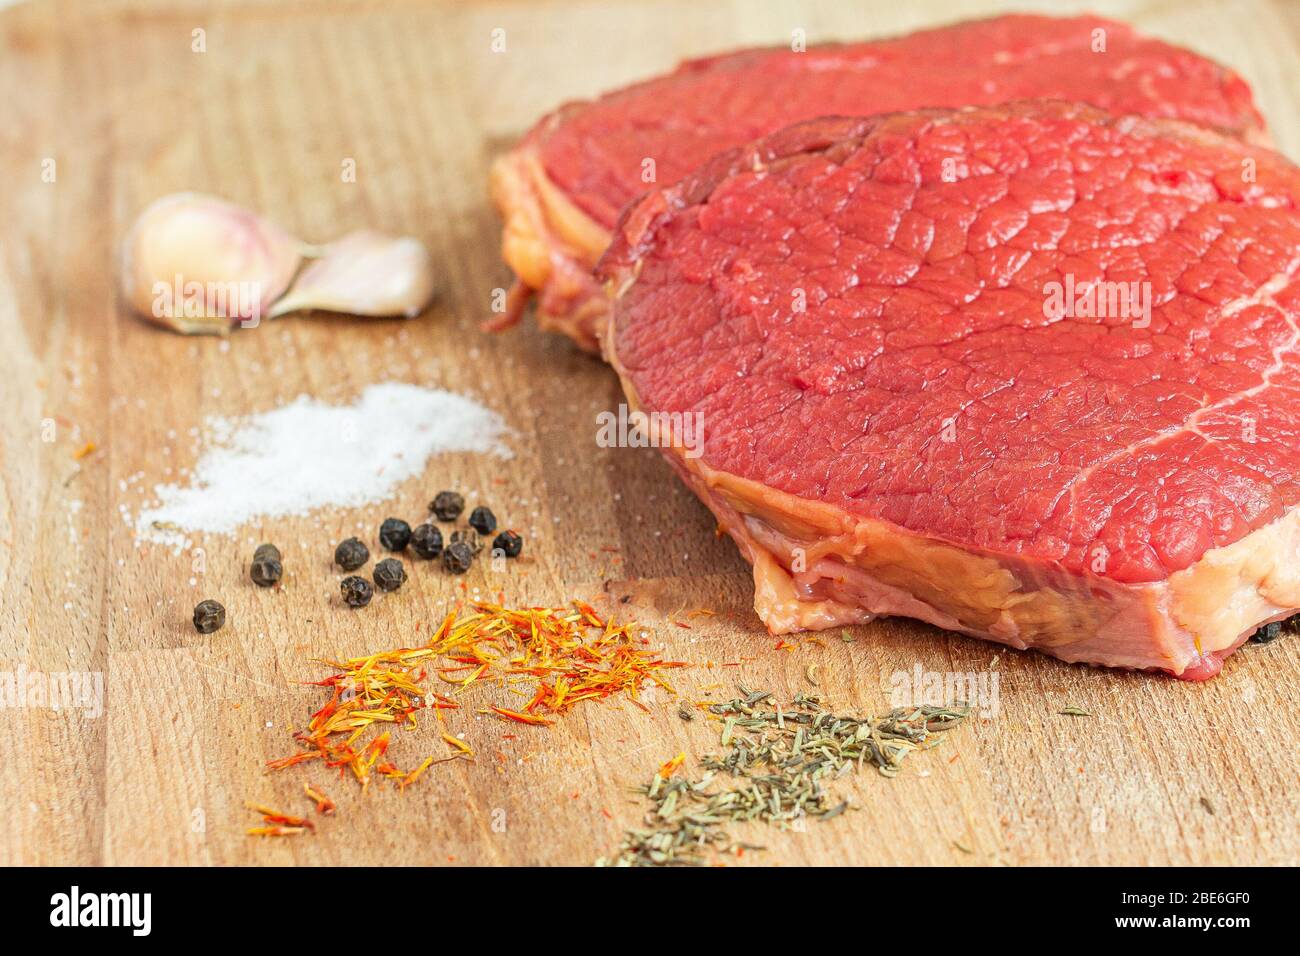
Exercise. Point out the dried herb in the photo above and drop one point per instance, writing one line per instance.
(783, 759)
(209, 616)
(1073, 711)
(447, 505)
(351, 554)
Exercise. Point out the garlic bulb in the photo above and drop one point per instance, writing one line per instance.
(196, 263)
(364, 273)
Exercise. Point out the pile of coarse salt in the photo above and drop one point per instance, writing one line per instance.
(308, 455)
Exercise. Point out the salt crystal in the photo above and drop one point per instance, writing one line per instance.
(308, 454)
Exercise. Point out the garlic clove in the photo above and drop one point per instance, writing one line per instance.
(364, 273)
(197, 264)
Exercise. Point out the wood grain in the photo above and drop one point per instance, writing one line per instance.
(284, 93)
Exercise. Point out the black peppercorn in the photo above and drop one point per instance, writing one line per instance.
(351, 554)
(1267, 634)
(266, 551)
(209, 616)
(395, 534)
(468, 537)
(508, 543)
(356, 591)
(426, 541)
(389, 574)
(458, 557)
(266, 568)
(482, 520)
(447, 505)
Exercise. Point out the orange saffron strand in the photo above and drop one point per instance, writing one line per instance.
(324, 804)
(291, 760)
(670, 768)
(275, 831)
(415, 774)
(521, 718)
(275, 816)
(458, 744)
(562, 656)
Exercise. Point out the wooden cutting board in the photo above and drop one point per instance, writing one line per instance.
(282, 95)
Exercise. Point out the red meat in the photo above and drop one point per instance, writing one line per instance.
(562, 188)
(1028, 372)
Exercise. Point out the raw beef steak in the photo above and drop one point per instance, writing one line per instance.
(1028, 372)
(562, 188)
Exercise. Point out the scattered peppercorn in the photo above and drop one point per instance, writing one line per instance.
(209, 616)
(351, 554)
(447, 505)
(395, 534)
(426, 541)
(266, 551)
(357, 592)
(458, 557)
(1267, 634)
(1271, 632)
(389, 574)
(508, 543)
(468, 537)
(483, 520)
(266, 569)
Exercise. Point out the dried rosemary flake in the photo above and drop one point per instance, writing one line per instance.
(779, 758)
(1073, 711)
(726, 730)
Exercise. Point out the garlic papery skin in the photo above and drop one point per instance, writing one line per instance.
(364, 273)
(198, 264)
